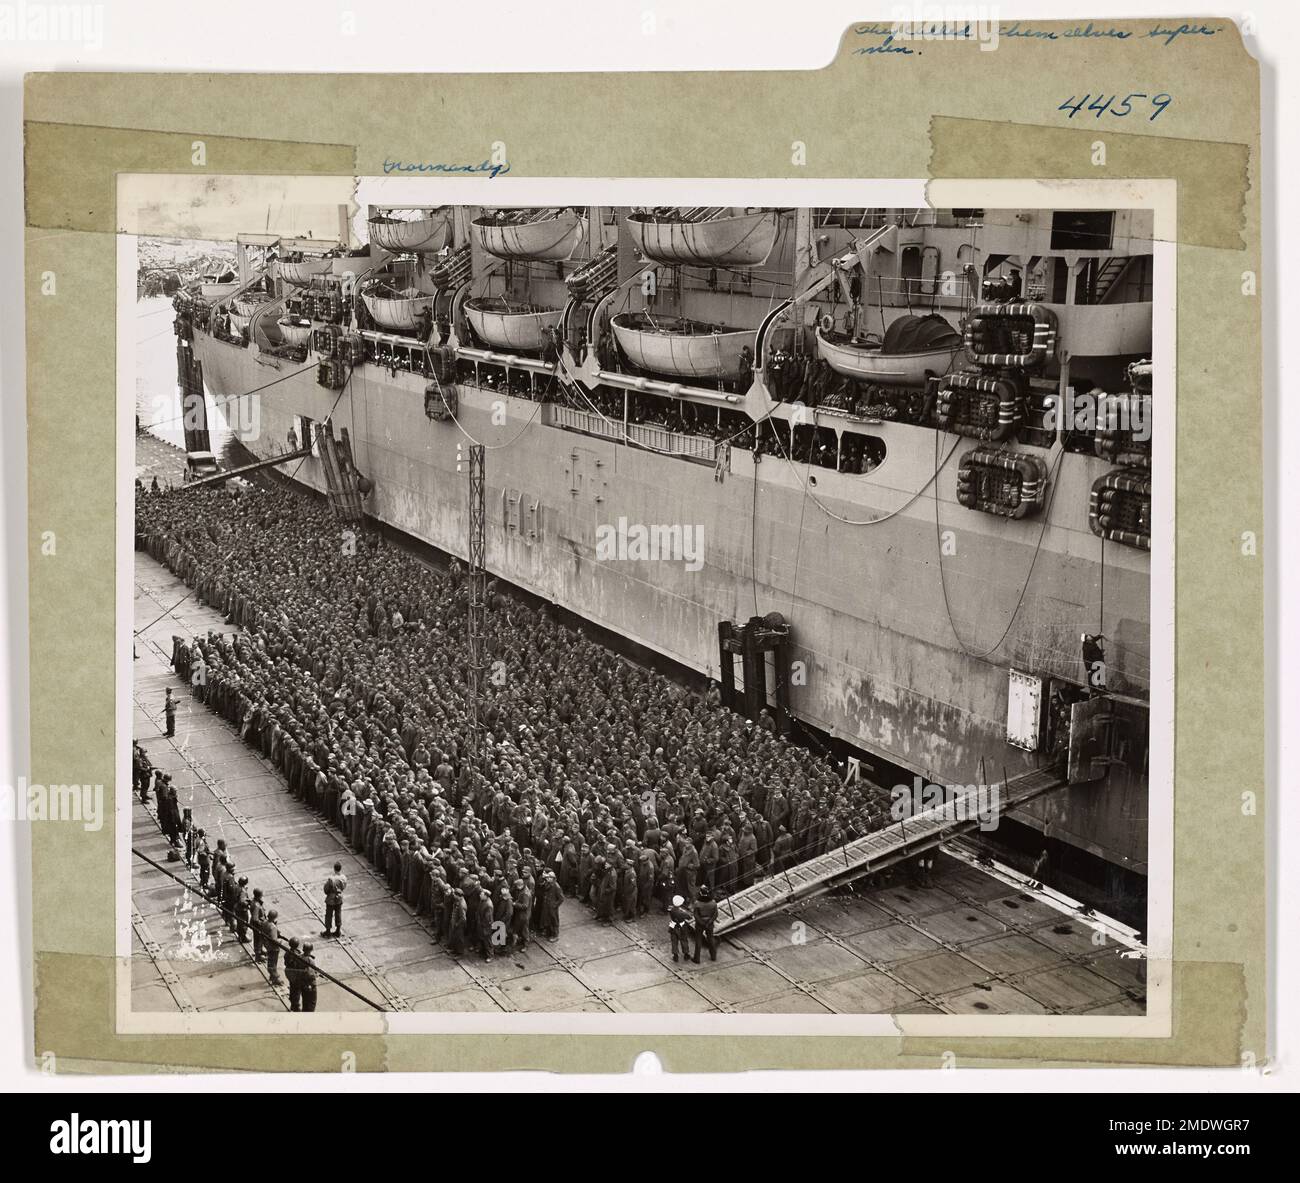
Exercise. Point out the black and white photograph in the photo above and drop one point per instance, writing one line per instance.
(746, 612)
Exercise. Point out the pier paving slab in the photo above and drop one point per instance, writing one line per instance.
(939, 973)
(871, 994)
(817, 962)
(1011, 954)
(622, 973)
(995, 998)
(895, 943)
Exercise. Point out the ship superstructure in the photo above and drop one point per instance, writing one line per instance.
(915, 442)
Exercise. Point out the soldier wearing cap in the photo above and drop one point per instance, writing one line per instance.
(203, 856)
(335, 885)
(483, 926)
(230, 887)
(257, 921)
(782, 850)
(271, 937)
(706, 914)
(606, 890)
(243, 909)
(521, 911)
(307, 976)
(709, 860)
(688, 868)
(456, 927)
(292, 964)
(552, 898)
(645, 880)
(220, 861)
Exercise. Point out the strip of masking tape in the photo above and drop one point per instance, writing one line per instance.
(71, 169)
(1213, 178)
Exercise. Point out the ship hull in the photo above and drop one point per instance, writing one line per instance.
(886, 641)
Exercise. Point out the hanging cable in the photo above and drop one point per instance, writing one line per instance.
(1047, 513)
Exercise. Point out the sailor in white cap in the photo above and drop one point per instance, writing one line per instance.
(679, 926)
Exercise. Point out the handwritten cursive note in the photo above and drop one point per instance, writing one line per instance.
(908, 38)
(401, 166)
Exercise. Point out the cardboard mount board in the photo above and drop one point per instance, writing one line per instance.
(965, 127)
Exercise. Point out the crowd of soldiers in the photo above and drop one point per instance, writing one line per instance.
(596, 779)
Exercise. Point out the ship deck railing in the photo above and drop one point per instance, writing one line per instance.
(653, 438)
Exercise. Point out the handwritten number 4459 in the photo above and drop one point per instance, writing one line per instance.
(1102, 103)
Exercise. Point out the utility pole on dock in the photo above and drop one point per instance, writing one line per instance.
(477, 593)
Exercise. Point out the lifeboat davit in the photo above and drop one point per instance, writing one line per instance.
(683, 348)
(421, 235)
(295, 330)
(742, 240)
(304, 271)
(914, 348)
(400, 310)
(520, 328)
(551, 237)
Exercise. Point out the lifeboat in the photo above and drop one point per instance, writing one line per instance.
(743, 240)
(914, 348)
(302, 272)
(521, 328)
(549, 235)
(217, 287)
(683, 348)
(248, 303)
(410, 235)
(294, 329)
(398, 310)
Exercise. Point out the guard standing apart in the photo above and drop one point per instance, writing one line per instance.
(169, 709)
(335, 885)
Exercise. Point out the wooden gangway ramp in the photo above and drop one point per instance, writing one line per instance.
(873, 852)
(225, 474)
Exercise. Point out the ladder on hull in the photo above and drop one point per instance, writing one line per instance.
(341, 479)
(875, 851)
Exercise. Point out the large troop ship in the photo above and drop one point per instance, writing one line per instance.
(914, 445)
